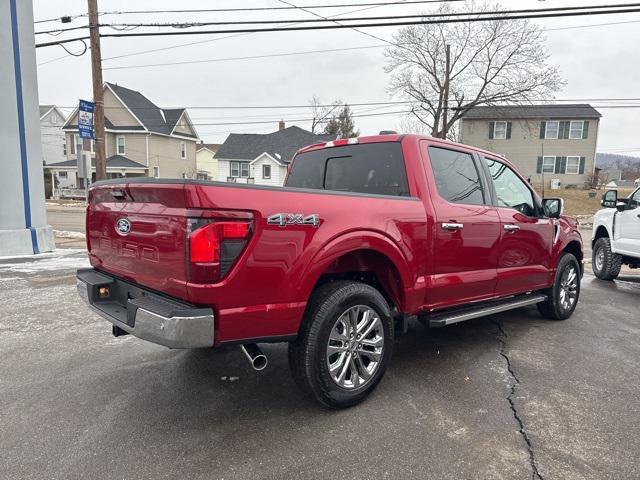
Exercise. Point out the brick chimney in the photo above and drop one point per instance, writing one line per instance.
(281, 125)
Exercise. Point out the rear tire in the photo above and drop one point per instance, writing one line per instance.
(606, 265)
(562, 297)
(345, 344)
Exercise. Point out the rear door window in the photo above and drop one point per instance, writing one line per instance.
(371, 168)
(456, 175)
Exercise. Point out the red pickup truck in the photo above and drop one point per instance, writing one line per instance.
(366, 233)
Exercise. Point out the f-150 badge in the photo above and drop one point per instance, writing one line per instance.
(285, 219)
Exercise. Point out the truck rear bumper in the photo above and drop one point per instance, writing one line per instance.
(145, 314)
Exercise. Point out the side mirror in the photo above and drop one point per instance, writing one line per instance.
(610, 199)
(622, 206)
(553, 207)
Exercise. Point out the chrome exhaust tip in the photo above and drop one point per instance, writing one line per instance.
(257, 359)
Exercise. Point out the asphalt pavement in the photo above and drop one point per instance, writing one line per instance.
(66, 218)
(512, 396)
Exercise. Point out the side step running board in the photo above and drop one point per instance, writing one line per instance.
(467, 313)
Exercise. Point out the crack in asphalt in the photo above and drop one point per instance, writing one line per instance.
(502, 338)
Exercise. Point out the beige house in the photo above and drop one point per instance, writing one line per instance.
(142, 139)
(206, 162)
(550, 144)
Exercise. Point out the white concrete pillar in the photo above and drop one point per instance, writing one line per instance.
(23, 223)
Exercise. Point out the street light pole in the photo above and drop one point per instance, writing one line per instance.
(98, 96)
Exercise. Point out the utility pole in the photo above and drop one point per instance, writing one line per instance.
(445, 114)
(98, 97)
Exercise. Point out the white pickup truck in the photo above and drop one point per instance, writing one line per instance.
(616, 234)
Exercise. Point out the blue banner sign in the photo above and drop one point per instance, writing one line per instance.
(85, 119)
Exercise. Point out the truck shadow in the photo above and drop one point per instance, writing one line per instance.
(222, 379)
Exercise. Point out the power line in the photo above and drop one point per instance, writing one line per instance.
(188, 44)
(373, 103)
(322, 19)
(357, 115)
(250, 57)
(503, 17)
(255, 9)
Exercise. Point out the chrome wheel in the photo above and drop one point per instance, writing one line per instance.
(599, 259)
(354, 350)
(569, 287)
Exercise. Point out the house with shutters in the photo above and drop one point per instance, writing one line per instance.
(549, 144)
(141, 139)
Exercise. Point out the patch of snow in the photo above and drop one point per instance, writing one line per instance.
(68, 234)
(63, 259)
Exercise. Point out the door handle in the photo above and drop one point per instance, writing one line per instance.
(511, 228)
(452, 227)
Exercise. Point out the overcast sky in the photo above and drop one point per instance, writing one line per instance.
(597, 62)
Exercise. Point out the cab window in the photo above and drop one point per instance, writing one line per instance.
(511, 190)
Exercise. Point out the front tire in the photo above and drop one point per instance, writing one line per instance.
(345, 344)
(562, 297)
(606, 265)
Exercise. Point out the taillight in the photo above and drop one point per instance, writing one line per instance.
(214, 246)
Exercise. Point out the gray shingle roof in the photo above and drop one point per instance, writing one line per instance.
(533, 111)
(44, 109)
(115, 161)
(154, 118)
(285, 143)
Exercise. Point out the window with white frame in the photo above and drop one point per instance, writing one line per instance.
(551, 130)
(62, 175)
(575, 130)
(573, 165)
(120, 145)
(500, 130)
(78, 140)
(266, 171)
(54, 117)
(239, 169)
(548, 164)
(183, 150)
(156, 172)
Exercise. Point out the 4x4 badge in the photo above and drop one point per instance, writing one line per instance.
(284, 219)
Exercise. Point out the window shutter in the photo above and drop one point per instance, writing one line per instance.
(508, 130)
(560, 130)
(539, 167)
(585, 129)
(561, 165)
(567, 128)
(543, 127)
(581, 167)
(492, 126)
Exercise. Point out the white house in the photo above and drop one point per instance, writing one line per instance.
(51, 134)
(262, 158)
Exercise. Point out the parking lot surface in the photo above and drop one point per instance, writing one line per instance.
(511, 396)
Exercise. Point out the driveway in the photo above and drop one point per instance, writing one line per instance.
(512, 396)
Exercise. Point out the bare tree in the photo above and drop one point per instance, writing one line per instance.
(321, 113)
(492, 62)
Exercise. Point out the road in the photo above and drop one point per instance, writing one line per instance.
(78, 403)
(69, 219)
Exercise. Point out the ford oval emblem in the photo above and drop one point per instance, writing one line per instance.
(123, 226)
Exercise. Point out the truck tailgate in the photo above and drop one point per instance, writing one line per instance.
(138, 233)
